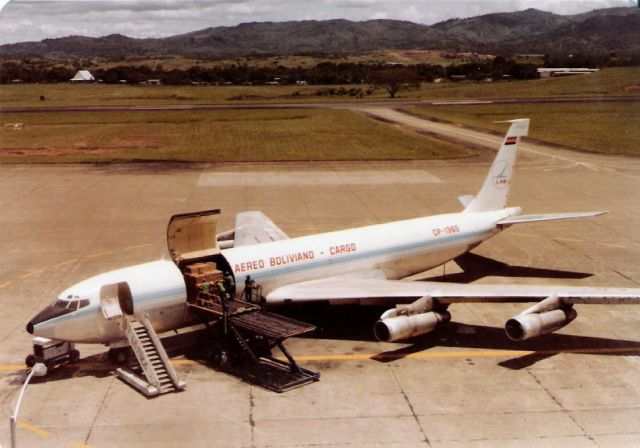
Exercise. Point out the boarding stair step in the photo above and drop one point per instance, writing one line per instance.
(158, 374)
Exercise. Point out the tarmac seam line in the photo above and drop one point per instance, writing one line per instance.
(411, 408)
(95, 417)
(564, 410)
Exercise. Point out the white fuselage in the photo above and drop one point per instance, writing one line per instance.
(398, 249)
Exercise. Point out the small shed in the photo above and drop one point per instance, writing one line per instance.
(83, 76)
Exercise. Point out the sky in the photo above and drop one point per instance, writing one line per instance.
(34, 20)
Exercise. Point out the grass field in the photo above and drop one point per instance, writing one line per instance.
(608, 82)
(618, 81)
(236, 135)
(607, 128)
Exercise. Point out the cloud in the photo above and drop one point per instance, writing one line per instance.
(23, 20)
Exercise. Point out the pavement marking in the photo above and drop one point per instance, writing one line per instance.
(436, 355)
(11, 368)
(421, 355)
(138, 246)
(28, 427)
(179, 362)
(365, 356)
(5, 284)
(78, 445)
(465, 354)
(65, 263)
(31, 274)
(99, 254)
(616, 246)
(568, 240)
(528, 235)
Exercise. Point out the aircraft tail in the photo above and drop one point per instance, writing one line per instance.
(495, 191)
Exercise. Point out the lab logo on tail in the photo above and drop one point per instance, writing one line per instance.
(500, 174)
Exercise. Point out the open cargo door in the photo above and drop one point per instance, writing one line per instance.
(192, 236)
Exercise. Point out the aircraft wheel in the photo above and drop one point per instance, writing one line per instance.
(219, 358)
(118, 355)
(75, 356)
(30, 361)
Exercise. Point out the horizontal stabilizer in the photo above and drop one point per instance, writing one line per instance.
(255, 228)
(547, 217)
(466, 199)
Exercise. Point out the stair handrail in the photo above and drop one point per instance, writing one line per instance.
(141, 355)
(162, 353)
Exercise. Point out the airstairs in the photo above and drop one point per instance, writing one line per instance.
(155, 374)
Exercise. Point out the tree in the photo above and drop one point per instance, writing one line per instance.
(394, 79)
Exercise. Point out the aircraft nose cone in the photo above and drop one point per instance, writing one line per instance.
(48, 313)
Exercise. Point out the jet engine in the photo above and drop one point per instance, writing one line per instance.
(543, 318)
(409, 321)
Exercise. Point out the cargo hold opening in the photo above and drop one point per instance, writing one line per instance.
(193, 246)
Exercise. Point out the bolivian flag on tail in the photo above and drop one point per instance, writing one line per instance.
(511, 140)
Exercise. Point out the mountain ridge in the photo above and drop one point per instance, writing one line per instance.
(529, 30)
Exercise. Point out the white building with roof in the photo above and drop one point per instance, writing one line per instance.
(549, 72)
(83, 76)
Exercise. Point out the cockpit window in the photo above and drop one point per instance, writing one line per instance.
(60, 307)
(70, 303)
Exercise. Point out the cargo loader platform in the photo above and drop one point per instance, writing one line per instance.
(242, 337)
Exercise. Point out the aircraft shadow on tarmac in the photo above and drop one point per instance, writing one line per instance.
(493, 338)
(476, 266)
(96, 366)
(356, 323)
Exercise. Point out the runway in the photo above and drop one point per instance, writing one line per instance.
(466, 385)
(315, 104)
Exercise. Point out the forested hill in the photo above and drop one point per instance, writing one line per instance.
(530, 31)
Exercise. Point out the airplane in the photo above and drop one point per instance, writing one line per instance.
(366, 265)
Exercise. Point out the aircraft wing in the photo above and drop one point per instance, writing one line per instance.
(546, 217)
(255, 228)
(390, 292)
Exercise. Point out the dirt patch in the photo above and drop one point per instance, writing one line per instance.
(47, 152)
(420, 55)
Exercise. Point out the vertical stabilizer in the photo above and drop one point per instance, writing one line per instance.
(495, 191)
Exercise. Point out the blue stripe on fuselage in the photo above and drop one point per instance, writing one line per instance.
(425, 244)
